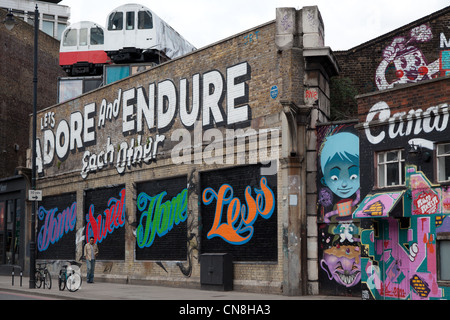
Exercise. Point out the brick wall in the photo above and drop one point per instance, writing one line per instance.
(261, 67)
(412, 53)
(16, 88)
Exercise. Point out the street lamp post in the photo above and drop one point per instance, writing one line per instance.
(9, 23)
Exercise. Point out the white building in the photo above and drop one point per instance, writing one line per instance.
(53, 18)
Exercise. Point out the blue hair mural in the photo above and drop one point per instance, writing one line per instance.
(338, 196)
(339, 161)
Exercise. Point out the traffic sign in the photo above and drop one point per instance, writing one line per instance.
(35, 195)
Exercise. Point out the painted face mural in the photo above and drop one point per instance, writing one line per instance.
(339, 160)
(338, 197)
(404, 57)
(342, 263)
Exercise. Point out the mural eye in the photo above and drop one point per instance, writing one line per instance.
(353, 177)
(334, 178)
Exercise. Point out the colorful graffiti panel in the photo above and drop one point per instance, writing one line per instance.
(239, 213)
(338, 173)
(401, 260)
(404, 60)
(162, 212)
(378, 205)
(105, 216)
(56, 223)
(338, 182)
(340, 266)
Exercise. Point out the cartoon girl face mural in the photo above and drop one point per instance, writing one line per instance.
(339, 160)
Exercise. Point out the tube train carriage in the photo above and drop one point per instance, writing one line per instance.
(133, 34)
(82, 50)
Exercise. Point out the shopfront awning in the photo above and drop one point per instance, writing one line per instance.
(378, 205)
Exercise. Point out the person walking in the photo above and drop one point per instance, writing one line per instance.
(90, 252)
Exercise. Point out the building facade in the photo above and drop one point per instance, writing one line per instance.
(406, 56)
(404, 212)
(207, 154)
(16, 105)
(53, 18)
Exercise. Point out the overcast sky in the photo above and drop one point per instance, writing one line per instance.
(348, 23)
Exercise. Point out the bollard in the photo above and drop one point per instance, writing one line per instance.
(21, 278)
(12, 277)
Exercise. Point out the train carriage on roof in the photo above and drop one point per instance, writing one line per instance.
(82, 49)
(136, 34)
(133, 34)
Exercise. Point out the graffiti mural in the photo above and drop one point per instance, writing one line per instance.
(238, 209)
(338, 196)
(105, 216)
(404, 61)
(162, 211)
(378, 205)
(57, 218)
(400, 254)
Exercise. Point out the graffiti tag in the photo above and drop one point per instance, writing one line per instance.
(159, 218)
(238, 227)
(109, 220)
(56, 225)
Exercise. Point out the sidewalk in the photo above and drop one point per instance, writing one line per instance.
(120, 291)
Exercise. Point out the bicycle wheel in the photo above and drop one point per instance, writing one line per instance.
(62, 280)
(47, 279)
(38, 279)
(74, 282)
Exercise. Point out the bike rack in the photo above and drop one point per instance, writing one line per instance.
(12, 274)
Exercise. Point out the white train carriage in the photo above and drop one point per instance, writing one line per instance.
(82, 49)
(135, 34)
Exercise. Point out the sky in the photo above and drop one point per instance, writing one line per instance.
(348, 23)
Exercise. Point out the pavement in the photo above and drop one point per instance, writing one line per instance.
(121, 291)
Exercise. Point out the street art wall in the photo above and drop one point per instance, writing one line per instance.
(162, 211)
(404, 223)
(56, 227)
(400, 259)
(105, 216)
(410, 54)
(239, 213)
(338, 196)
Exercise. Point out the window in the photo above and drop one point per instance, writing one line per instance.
(391, 168)
(130, 20)
(61, 27)
(115, 21)
(443, 245)
(83, 36)
(145, 20)
(443, 162)
(70, 38)
(47, 27)
(97, 36)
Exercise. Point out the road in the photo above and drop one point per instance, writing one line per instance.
(7, 295)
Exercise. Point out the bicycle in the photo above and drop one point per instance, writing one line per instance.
(42, 275)
(69, 277)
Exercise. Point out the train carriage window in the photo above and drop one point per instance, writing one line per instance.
(97, 36)
(83, 37)
(115, 21)
(70, 38)
(145, 20)
(130, 20)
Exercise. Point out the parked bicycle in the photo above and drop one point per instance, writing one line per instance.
(70, 277)
(42, 276)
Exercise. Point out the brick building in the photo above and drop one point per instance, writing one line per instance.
(412, 53)
(404, 212)
(205, 155)
(405, 70)
(16, 105)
